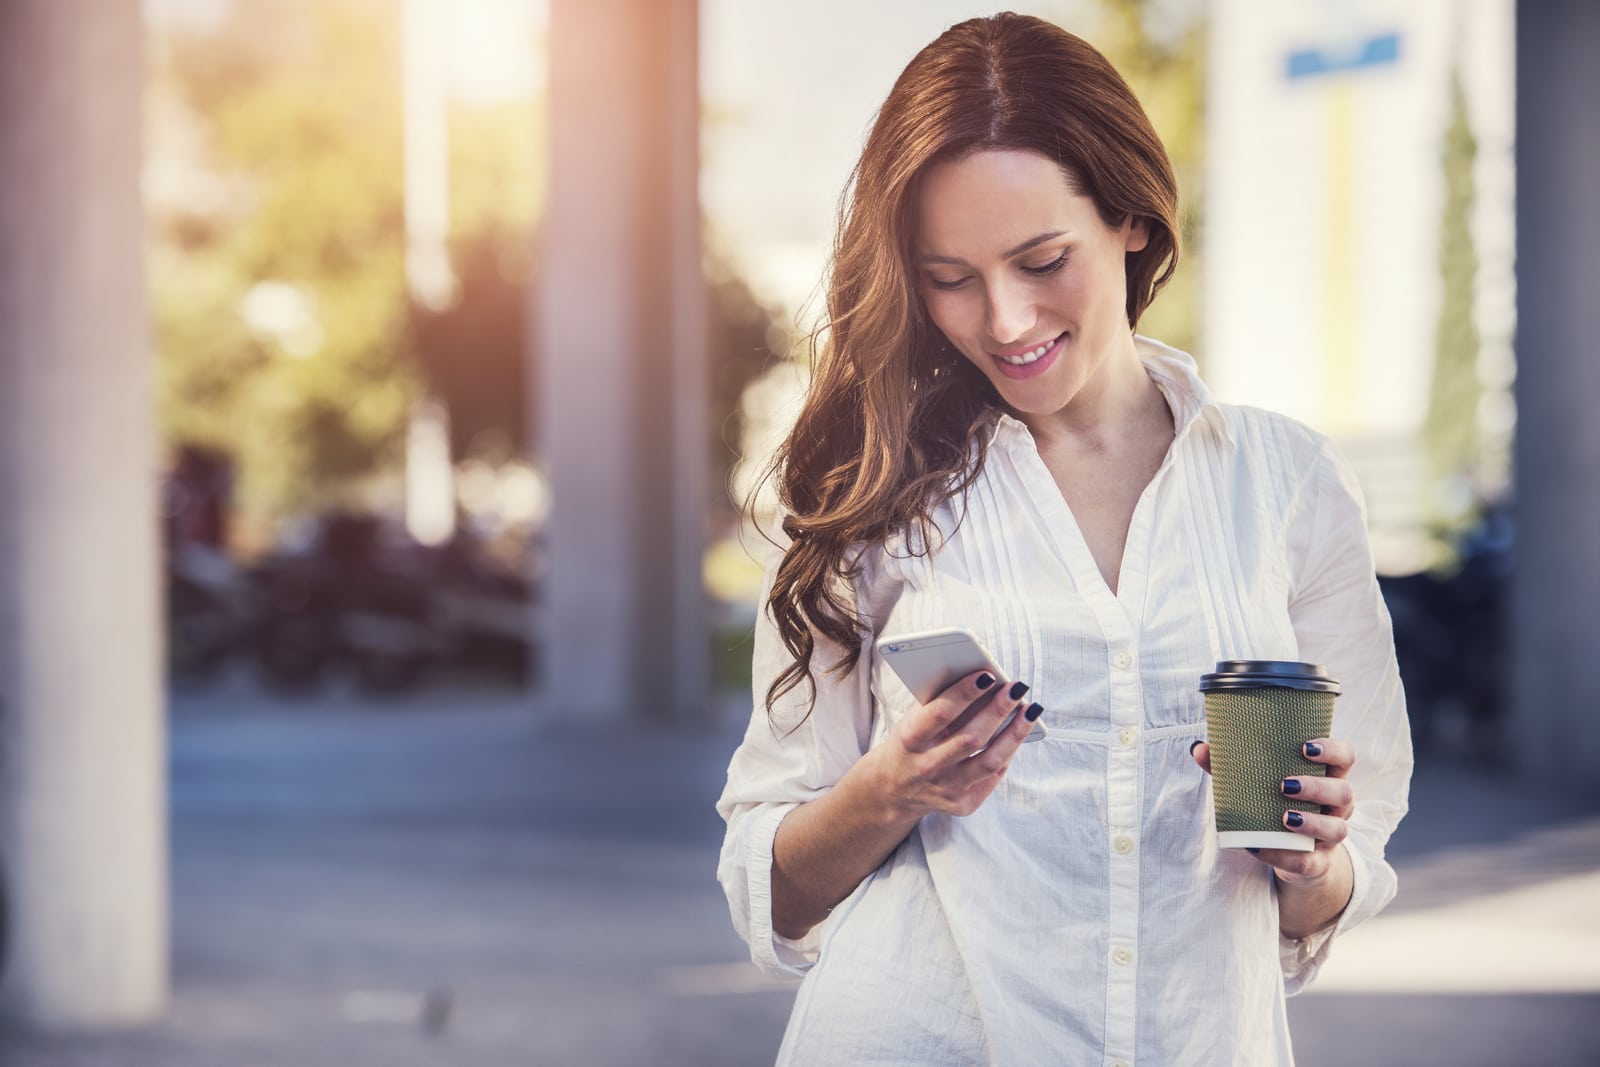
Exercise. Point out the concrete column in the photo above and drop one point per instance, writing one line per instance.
(82, 756)
(1555, 729)
(621, 350)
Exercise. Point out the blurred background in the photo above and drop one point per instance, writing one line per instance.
(381, 382)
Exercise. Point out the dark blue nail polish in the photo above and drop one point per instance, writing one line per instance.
(1291, 786)
(1017, 689)
(1033, 712)
(985, 680)
(1194, 746)
(1253, 851)
(1294, 818)
(1313, 749)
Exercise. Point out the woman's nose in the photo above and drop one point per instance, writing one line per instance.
(1011, 314)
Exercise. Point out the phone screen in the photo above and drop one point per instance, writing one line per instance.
(930, 662)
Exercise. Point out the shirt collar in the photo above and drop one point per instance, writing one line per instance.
(1177, 376)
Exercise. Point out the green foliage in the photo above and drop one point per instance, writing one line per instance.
(498, 175)
(288, 116)
(1164, 63)
(1451, 430)
(473, 352)
(294, 124)
(742, 331)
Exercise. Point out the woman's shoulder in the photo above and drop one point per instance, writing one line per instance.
(1256, 433)
(1263, 434)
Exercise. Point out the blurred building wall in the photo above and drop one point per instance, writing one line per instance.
(624, 393)
(82, 758)
(1325, 188)
(1556, 614)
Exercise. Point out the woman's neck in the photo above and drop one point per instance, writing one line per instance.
(1120, 404)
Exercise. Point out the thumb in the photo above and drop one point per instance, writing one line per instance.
(1201, 751)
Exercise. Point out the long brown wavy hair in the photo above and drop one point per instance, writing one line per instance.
(892, 422)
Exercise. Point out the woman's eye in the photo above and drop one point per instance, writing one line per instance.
(940, 283)
(1050, 267)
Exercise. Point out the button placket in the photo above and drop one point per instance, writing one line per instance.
(1124, 773)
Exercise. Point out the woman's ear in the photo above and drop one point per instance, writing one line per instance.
(1137, 229)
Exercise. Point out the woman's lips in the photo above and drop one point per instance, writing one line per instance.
(1021, 372)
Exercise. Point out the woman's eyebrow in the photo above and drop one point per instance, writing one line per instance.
(1030, 243)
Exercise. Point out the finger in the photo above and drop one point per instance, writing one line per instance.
(1338, 756)
(972, 734)
(1334, 794)
(1294, 866)
(1201, 751)
(1329, 828)
(996, 757)
(926, 727)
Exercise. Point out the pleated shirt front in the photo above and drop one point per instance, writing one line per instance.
(1084, 914)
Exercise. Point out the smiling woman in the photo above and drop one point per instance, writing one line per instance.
(987, 445)
(1013, 310)
(971, 151)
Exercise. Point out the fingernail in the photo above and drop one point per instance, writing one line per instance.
(1294, 818)
(1017, 689)
(1194, 746)
(1291, 786)
(1252, 851)
(1313, 749)
(985, 680)
(1033, 712)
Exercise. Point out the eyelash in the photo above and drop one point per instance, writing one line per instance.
(1038, 272)
(1050, 267)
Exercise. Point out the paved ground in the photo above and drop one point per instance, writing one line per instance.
(447, 881)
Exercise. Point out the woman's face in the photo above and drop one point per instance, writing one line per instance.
(1023, 276)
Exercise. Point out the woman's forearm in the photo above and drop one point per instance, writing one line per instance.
(1307, 907)
(825, 847)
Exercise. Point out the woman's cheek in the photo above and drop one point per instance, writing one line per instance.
(949, 312)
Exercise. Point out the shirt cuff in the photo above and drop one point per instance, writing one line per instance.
(777, 956)
(1372, 888)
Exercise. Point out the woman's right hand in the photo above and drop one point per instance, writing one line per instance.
(935, 759)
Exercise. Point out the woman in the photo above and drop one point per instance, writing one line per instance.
(988, 444)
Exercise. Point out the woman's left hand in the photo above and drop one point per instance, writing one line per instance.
(1327, 829)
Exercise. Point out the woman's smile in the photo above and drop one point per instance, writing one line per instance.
(1031, 362)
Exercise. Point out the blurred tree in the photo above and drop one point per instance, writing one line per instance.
(1451, 430)
(746, 338)
(279, 294)
(286, 332)
(472, 353)
(1159, 46)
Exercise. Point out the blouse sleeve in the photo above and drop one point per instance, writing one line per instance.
(785, 760)
(1340, 621)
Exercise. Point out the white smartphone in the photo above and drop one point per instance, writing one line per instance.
(931, 661)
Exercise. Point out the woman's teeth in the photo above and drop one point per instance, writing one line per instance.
(1029, 357)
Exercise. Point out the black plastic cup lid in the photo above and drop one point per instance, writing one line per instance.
(1255, 673)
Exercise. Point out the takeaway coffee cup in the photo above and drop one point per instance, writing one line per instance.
(1258, 714)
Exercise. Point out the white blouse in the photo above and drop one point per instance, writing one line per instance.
(1084, 914)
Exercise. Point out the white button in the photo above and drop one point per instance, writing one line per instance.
(1119, 1063)
(1122, 957)
(1123, 845)
(1128, 735)
(1122, 661)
